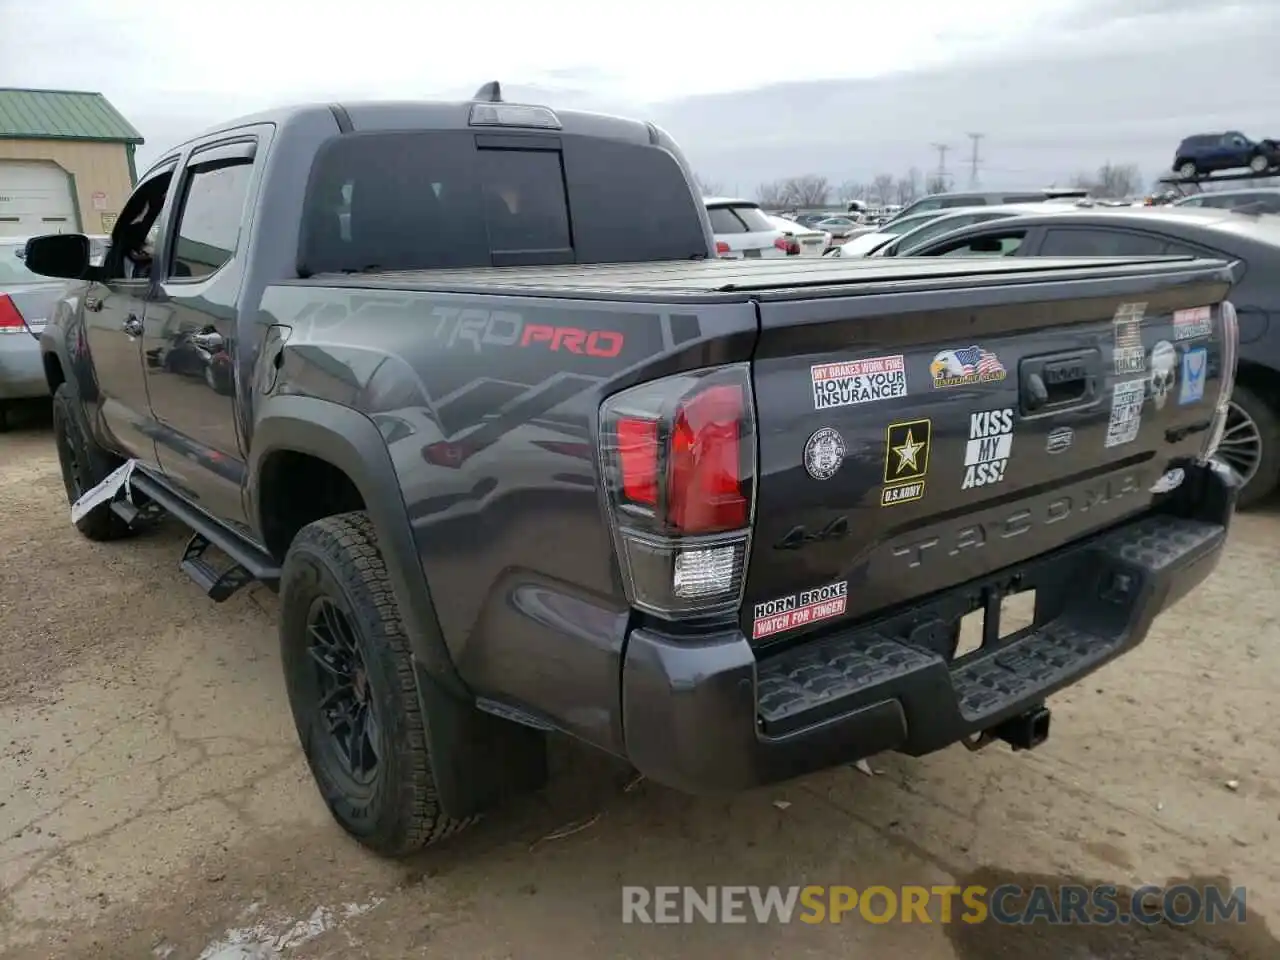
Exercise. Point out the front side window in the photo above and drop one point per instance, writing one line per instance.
(990, 245)
(209, 220)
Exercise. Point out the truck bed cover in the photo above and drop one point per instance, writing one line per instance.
(732, 280)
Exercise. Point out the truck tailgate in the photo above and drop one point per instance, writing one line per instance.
(911, 440)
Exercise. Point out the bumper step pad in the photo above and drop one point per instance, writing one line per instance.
(1093, 602)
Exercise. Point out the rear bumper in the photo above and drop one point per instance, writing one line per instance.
(705, 715)
(21, 369)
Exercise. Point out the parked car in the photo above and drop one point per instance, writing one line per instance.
(839, 226)
(659, 493)
(1255, 200)
(872, 238)
(744, 231)
(949, 201)
(907, 243)
(809, 242)
(26, 301)
(1207, 153)
(1252, 440)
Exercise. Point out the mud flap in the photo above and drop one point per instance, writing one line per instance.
(115, 483)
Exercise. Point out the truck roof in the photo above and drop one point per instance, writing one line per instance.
(737, 281)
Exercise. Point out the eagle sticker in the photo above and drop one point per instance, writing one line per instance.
(965, 366)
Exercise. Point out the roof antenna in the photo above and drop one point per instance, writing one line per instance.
(491, 92)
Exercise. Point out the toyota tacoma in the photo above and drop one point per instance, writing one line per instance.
(520, 455)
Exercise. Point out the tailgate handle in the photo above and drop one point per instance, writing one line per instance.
(1059, 381)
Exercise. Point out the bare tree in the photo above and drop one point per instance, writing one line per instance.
(809, 190)
(937, 183)
(882, 187)
(909, 186)
(1112, 181)
(772, 194)
(708, 188)
(851, 190)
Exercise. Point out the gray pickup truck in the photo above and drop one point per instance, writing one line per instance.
(465, 383)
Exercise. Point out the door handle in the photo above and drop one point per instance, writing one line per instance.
(93, 304)
(132, 325)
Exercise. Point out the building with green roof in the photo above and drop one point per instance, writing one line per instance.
(66, 162)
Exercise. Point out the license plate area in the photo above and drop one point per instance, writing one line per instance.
(1000, 618)
(749, 254)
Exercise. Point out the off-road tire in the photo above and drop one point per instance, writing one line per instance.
(338, 558)
(84, 465)
(1265, 480)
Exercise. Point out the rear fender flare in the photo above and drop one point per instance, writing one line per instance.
(352, 442)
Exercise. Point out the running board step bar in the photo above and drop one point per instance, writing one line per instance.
(218, 585)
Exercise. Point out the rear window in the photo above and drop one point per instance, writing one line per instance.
(419, 200)
(738, 218)
(1023, 198)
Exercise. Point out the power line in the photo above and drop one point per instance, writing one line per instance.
(942, 149)
(973, 160)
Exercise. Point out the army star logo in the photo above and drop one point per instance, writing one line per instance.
(908, 453)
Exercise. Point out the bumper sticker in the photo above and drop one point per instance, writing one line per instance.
(824, 453)
(1170, 480)
(1128, 355)
(965, 365)
(1164, 372)
(799, 609)
(1194, 363)
(1192, 324)
(1059, 439)
(858, 381)
(986, 455)
(906, 461)
(1126, 411)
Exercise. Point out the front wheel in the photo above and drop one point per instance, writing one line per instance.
(1258, 163)
(351, 687)
(1187, 169)
(84, 465)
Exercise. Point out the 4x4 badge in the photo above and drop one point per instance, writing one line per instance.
(1059, 439)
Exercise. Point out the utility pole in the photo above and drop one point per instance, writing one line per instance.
(973, 160)
(942, 149)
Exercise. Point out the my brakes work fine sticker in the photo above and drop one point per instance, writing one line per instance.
(858, 381)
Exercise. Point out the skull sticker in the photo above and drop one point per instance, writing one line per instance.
(1164, 362)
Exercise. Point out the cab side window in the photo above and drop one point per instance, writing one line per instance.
(129, 257)
(209, 219)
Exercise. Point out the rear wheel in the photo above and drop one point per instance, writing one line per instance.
(1187, 169)
(1258, 163)
(352, 690)
(1251, 444)
(84, 465)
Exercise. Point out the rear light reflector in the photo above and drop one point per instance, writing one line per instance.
(678, 460)
(10, 318)
(1230, 335)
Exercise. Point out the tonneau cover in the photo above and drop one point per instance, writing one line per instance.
(729, 280)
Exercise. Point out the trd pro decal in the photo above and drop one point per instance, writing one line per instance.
(986, 454)
(1128, 355)
(1194, 364)
(1164, 372)
(906, 461)
(1192, 324)
(799, 609)
(965, 365)
(824, 453)
(858, 381)
(1126, 411)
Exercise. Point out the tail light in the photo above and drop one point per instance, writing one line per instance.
(1230, 356)
(783, 243)
(722, 248)
(679, 463)
(10, 319)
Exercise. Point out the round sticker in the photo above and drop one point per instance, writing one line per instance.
(824, 453)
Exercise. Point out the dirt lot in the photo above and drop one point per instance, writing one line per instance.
(153, 802)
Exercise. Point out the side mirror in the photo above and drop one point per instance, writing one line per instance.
(985, 245)
(61, 255)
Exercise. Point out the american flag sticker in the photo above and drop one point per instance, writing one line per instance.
(966, 365)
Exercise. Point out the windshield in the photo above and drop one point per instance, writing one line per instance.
(12, 269)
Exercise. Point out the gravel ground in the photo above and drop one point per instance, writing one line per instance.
(153, 802)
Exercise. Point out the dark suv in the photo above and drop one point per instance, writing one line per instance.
(1210, 152)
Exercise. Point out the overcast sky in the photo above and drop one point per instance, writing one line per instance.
(753, 90)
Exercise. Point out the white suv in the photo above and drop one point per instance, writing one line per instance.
(743, 230)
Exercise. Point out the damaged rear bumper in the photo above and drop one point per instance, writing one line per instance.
(706, 715)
